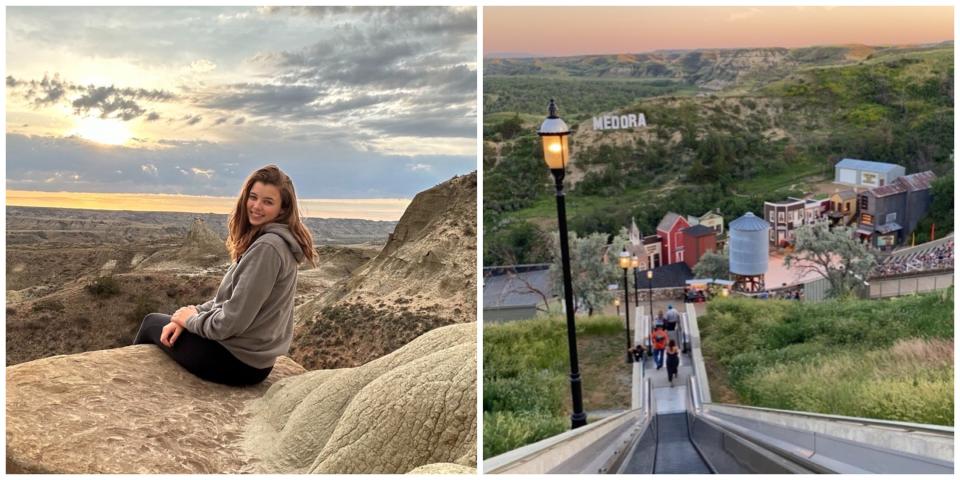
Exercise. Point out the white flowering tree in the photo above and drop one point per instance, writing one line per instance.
(589, 273)
(835, 254)
(713, 264)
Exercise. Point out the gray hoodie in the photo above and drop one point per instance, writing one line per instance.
(252, 313)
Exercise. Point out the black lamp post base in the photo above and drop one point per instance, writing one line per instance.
(578, 420)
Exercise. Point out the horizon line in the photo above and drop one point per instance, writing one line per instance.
(524, 55)
(375, 209)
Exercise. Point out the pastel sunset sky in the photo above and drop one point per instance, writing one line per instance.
(566, 31)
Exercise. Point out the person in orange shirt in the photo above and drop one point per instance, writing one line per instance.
(658, 340)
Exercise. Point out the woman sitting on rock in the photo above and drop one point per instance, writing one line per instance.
(235, 338)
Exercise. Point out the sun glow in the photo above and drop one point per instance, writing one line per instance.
(105, 131)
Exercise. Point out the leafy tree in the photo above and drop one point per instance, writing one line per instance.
(518, 179)
(835, 254)
(518, 243)
(713, 265)
(509, 128)
(941, 210)
(590, 275)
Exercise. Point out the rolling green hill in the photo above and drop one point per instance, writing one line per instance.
(775, 130)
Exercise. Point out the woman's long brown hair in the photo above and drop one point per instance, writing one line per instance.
(240, 233)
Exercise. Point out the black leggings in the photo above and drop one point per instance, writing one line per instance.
(202, 357)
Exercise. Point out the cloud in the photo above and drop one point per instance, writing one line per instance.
(202, 66)
(346, 76)
(41, 92)
(261, 99)
(419, 167)
(355, 103)
(199, 171)
(432, 20)
(110, 102)
(117, 102)
(326, 170)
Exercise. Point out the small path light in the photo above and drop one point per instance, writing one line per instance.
(650, 294)
(625, 264)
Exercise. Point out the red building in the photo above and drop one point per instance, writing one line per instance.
(670, 230)
(697, 240)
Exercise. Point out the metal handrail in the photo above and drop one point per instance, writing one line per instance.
(916, 427)
(694, 394)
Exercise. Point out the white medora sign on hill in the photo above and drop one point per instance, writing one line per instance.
(617, 122)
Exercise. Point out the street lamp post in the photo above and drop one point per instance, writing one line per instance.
(625, 265)
(650, 293)
(553, 134)
(616, 301)
(635, 263)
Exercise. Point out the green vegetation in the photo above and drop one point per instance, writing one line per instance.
(526, 390)
(888, 359)
(104, 287)
(713, 265)
(733, 149)
(940, 214)
(582, 96)
(834, 253)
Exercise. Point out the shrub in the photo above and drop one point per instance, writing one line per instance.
(143, 305)
(104, 287)
(505, 431)
(49, 306)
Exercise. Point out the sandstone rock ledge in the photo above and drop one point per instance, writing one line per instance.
(126, 410)
(133, 410)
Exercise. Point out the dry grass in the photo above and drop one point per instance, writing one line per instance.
(931, 353)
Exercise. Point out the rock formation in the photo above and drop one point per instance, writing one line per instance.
(126, 410)
(203, 245)
(133, 410)
(423, 278)
(413, 407)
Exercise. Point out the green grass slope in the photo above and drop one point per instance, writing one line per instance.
(887, 359)
(526, 390)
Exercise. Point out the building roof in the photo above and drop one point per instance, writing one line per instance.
(867, 165)
(711, 214)
(846, 194)
(667, 276)
(698, 231)
(651, 239)
(513, 290)
(889, 227)
(912, 183)
(918, 181)
(749, 223)
(786, 203)
(668, 220)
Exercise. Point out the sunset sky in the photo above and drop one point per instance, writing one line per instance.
(352, 102)
(565, 31)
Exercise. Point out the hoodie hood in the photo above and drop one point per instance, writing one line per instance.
(283, 230)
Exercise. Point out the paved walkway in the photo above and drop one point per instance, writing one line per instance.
(670, 399)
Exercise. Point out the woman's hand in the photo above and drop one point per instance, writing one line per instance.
(182, 314)
(169, 334)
